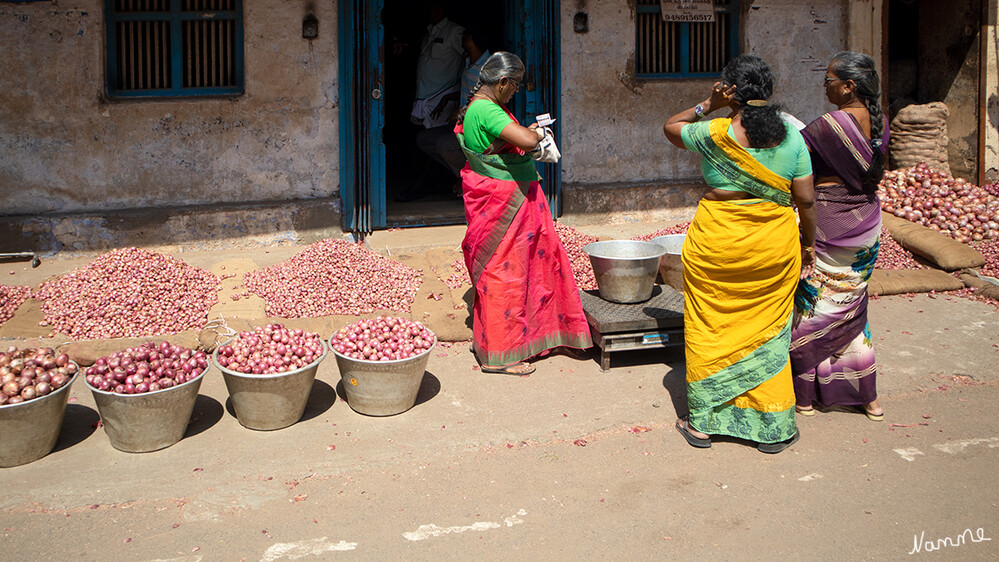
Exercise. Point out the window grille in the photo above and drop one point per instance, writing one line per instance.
(174, 47)
(680, 49)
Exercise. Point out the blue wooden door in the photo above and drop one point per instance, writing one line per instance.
(533, 33)
(362, 115)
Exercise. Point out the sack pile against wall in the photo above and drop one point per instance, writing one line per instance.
(919, 134)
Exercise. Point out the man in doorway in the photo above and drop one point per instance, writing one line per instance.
(438, 70)
(440, 143)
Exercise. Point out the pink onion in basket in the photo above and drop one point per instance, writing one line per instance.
(383, 338)
(270, 349)
(146, 368)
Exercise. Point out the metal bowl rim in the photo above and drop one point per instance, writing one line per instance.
(637, 258)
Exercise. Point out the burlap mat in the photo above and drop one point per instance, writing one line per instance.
(981, 286)
(946, 253)
(442, 309)
(897, 282)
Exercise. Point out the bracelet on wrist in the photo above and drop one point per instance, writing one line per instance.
(699, 111)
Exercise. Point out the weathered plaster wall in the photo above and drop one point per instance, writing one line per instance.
(65, 148)
(612, 122)
(864, 32)
(797, 38)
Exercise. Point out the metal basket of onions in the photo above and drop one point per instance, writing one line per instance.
(269, 373)
(381, 362)
(33, 395)
(146, 394)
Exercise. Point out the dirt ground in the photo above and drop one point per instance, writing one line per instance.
(568, 463)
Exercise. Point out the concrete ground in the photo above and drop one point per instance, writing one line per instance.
(568, 463)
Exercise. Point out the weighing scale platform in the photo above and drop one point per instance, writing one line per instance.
(655, 323)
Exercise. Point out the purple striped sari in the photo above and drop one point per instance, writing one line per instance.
(832, 358)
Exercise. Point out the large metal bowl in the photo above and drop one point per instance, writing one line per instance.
(268, 402)
(29, 430)
(382, 388)
(625, 269)
(670, 266)
(150, 421)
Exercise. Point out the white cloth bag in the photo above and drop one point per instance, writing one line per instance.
(546, 150)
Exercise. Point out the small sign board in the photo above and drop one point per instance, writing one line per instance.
(688, 10)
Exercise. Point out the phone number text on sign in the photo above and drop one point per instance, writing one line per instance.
(688, 10)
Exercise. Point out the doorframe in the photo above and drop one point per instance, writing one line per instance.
(362, 116)
(363, 190)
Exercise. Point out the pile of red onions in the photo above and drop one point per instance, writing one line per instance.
(990, 250)
(992, 188)
(582, 269)
(892, 256)
(333, 277)
(11, 297)
(146, 368)
(26, 374)
(128, 293)
(954, 207)
(383, 338)
(271, 349)
(675, 229)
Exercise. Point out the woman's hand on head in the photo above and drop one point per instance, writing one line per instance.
(721, 95)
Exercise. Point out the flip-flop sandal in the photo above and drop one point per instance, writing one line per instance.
(872, 417)
(683, 426)
(805, 411)
(517, 369)
(774, 448)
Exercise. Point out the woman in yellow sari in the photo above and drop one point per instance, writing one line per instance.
(742, 258)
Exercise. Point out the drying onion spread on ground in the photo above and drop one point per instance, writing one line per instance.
(383, 338)
(128, 293)
(953, 207)
(11, 297)
(270, 349)
(335, 277)
(26, 374)
(582, 269)
(459, 276)
(892, 256)
(146, 368)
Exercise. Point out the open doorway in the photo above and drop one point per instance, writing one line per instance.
(420, 191)
(934, 56)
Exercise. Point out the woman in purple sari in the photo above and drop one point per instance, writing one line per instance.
(832, 358)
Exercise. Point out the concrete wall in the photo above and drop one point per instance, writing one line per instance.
(64, 148)
(615, 157)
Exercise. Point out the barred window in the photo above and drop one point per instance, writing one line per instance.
(174, 47)
(681, 49)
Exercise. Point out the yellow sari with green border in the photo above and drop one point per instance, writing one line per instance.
(741, 262)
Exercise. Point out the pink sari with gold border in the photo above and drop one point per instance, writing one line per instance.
(526, 299)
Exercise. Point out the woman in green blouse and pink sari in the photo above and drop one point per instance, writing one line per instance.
(526, 299)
